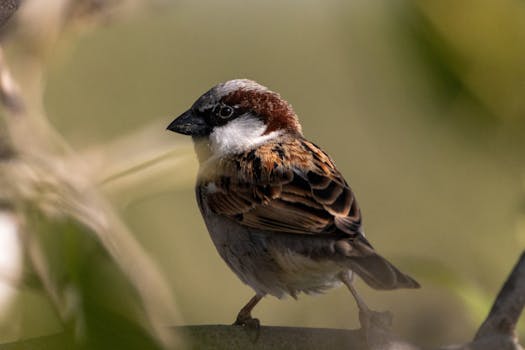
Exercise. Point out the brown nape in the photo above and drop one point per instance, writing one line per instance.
(278, 114)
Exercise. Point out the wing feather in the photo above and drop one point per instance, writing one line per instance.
(296, 188)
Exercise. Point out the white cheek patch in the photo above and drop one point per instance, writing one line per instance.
(239, 135)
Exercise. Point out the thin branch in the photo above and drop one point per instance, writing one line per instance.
(507, 308)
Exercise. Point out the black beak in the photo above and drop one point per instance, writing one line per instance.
(188, 123)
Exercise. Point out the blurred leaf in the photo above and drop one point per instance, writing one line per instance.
(443, 63)
(483, 36)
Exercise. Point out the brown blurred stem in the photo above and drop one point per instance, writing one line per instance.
(7, 8)
(9, 91)
(36, 182)
(9, 96)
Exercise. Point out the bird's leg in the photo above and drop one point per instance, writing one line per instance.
(347, 280)
(369, 319)
(244, 318)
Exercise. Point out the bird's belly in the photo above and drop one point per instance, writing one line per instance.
(272, 263)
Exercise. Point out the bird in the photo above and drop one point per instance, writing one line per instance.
(279, 212)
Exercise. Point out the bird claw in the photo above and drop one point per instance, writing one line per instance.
(251, 325)
(248, 323)
(382, 320)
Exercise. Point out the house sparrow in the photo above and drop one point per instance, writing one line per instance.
(277, 209)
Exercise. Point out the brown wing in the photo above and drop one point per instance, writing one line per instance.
(291, 187)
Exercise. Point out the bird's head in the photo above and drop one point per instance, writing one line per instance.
(237, 115)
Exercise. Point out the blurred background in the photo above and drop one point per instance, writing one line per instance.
(421, 104)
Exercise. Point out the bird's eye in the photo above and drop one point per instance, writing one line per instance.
(225, 112)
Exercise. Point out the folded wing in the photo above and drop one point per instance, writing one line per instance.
(293, 189)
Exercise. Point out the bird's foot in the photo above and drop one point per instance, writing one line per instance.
(381, 320)
(377, 329)
(251, 325)
(247, 322)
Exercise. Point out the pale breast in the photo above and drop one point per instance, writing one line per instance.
(271, 263)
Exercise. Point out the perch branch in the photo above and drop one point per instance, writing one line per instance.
(497, 332)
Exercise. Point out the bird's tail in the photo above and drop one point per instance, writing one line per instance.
(379, 273)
